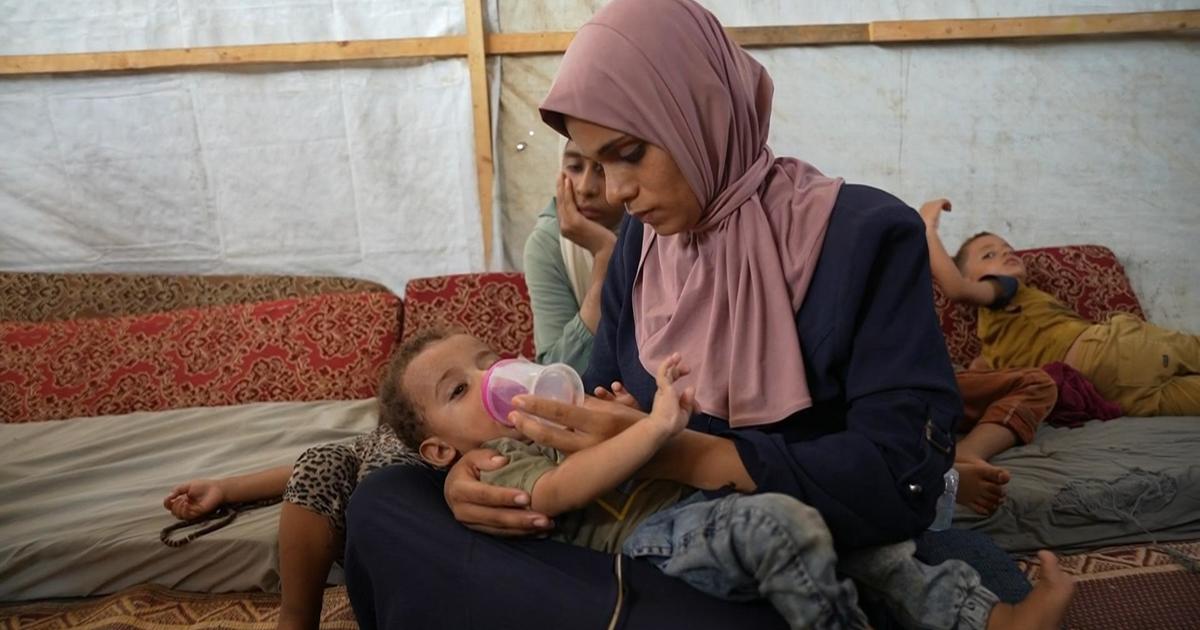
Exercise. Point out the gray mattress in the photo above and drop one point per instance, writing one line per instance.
(81, 500)
(1129, 480)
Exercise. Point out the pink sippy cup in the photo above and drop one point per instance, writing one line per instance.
(513, 377)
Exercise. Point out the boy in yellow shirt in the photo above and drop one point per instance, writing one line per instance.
(1149, 371)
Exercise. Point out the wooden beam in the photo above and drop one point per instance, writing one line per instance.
(549, 42)
(552, 42)
(481, 112)
(1152, 22)
(452, 46)
(1048, 26)
(897, 31)
(815, 35)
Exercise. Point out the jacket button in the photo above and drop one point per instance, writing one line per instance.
(915, 488)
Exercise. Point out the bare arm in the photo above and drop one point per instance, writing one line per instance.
(264, 484)
(700, 460)
(956, 286)
(693, 458)
(589, 473)
(198, 497)
(589, 311)
(590, 235)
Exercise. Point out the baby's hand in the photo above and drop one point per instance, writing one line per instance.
(671, 408)
(931, 212)
(194, 499)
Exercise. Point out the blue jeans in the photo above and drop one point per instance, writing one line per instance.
(742, 547)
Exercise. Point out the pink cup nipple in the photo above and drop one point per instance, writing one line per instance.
(498, 393)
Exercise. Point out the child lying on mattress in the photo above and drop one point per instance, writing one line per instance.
(312, 522)
(735, 547)
(1148, 370)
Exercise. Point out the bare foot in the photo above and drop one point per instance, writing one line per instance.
(1045, 607)
(980, 485)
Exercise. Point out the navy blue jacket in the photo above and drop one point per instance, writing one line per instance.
(871, 451)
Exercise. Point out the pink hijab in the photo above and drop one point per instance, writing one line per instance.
(724, 295)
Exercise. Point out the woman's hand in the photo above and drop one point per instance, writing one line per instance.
(193, 499)
(618, 394)
(579, 229)
(494, 510)
(581, 425)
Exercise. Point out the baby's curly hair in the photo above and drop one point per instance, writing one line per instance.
(396, 408)
(960, 258)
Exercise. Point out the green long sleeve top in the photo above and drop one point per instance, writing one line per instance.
(559, 335)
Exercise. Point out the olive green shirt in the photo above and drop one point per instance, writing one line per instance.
(605, 523)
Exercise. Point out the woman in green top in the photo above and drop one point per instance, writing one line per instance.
(566, 258)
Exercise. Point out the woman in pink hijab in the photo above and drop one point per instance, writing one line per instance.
(800, 303)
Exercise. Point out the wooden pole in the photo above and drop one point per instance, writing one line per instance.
(481, 113)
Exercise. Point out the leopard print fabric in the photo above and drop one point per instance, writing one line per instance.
(325, 476)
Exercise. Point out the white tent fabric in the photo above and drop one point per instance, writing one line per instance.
(1047, 142)
(71, 26)
(367, 169)
(362, 169)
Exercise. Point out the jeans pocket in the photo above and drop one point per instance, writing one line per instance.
(655, 536)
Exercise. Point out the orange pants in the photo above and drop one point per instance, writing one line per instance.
(1016, 398)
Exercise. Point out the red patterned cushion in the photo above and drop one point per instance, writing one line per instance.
(491, 306)
(1087, 278)
(314, 348)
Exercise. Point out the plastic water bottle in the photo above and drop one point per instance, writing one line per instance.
(513, 377)
(945, 504)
